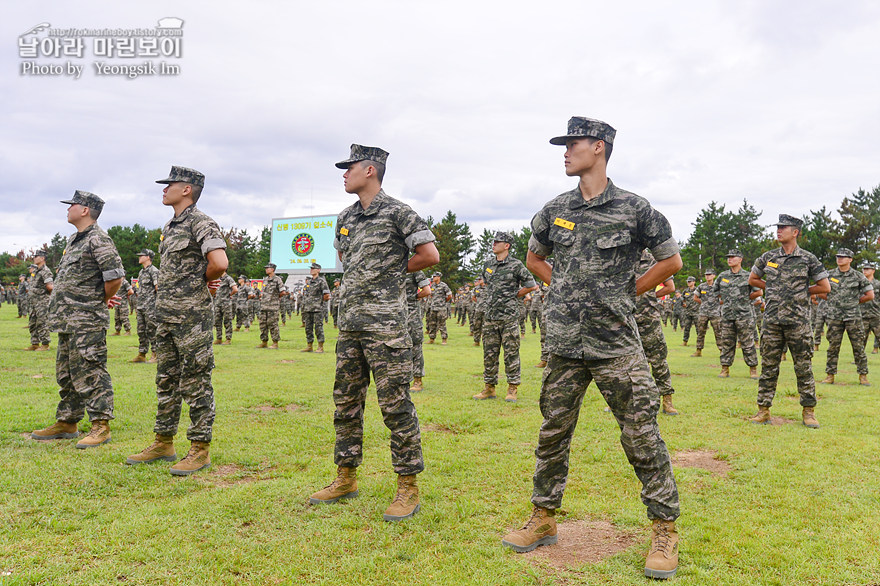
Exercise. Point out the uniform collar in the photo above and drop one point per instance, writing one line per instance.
(576, 198)
(373, 209)
(183, 215)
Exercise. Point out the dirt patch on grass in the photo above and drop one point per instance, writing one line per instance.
(289, 361)
(441, 428)
(226, 475)
(290, 408)
(703, 459)
(774, 420)
(583, 542)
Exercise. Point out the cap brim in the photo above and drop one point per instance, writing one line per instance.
(561, 140)
(68, 201)
(347, 163)
(169, 180)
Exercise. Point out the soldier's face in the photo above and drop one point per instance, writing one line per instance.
(435, 279)
(314, 272)
(843, 262)
(868, 273)
(175, 192)
(710, 279)
(498, 247)
(74, 212)
(581, 156)
(785, 234)
(734, 261)
(355, 178)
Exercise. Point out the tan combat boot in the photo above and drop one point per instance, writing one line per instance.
(116, 333)
(127, 332)
(32, 347)
(430, 340)
(511, 393)
(662, 561)
(753, 372)
(541, 364)
(320, 349)
(684, 343)
(443, 342)
(345, 486)
(227, 342)
(139, 358)
(153, 359)
(762, 416)
(540, 529)
(417, 385)
(816, 348)
(263, 345)
(725, 372)
(43, 348)
(809, 418)
(476, 343)
(863, 380)
(668, 409)
(488, 392)
(58, 430)
(196, 459)
(697, 353)
(99, 435)
(238, 328)
(874, 351)
(828, 380)
(161, 449)
(406, 501)
(274, 346)
(307, 349)
(247, 328)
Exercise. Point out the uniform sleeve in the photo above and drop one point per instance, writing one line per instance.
(207, 234)
(413, 228)
(761, 264)
(420, 279)
(817, 271)
(539, 242)
(525, 277)
(326, 290)
(104, 251)
(340, 219)
(866, 285)
(47, 275)
(655, 233)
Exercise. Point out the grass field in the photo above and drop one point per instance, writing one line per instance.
(798, 506)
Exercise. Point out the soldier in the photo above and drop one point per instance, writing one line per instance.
(648, 310)
(89, 275)
(254, 305)
(315, 293)
(39, 289)
(242, 298)
(507, 282)
(193, 257)
(785, 275)
(535, 309)
(522, 314)
(871, 309)
(223, 308)
(418, 286)
(478, 298)
(374, 237)
(819, 317)
(22, 296)
(849, 289)
(540, 300)
(710, 312)
(667, 310)
(120, 311)
(677, 310)
(438, 311)
(596, 233)
(689, 309)
(148, 285)
(270, 304)
(334, 301)
(737, 318)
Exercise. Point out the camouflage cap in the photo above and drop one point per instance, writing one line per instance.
(709, 271)
(691, 279)
(502, 236)
(580, 127)
(868, 265)
(315, 265)
(363, 153)
(336, 281)
(734, 252)
(40, 253)
(844, 252)
(786, 220)
(184, 175)
(146, 252)
(437, 274)
(242, 278)
(86, 199)
(271, 265)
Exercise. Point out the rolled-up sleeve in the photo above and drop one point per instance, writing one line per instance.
(666, 249)
(419, 238)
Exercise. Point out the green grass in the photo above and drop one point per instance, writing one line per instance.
(799, 506)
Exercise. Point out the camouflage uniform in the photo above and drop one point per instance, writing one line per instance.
(503, 280)
(479, 301)
(254, 305)
(737, 318)
(787, 319)
(871, 315)
(222, 303)
(648, 310)
(38, 305)
(313, 305)
(710, 313)
(844, 315)
(148, 282)
(184, 317)
(23, 299)
(334, 303)
(592, 335)
(243, 315)
(374, 245)
(78, 313)
(677, 312)
(819, 318)
(541, 301)
(120, 312)
(437, 310)
(414, 282)
(666, 312)
(689, 311)
(270, 306)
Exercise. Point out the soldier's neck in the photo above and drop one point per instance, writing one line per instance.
(788, 247)
(368, 195)
(502, 255)
(593, 183)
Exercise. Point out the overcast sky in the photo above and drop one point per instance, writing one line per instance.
(772, 101)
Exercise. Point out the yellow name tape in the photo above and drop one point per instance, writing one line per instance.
(343, 231)
(564, 223)
(772, 264)
(725, 280)
(489, 271)
(835, 280)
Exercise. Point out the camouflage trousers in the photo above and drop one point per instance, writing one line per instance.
(676, 321)
(626, 385)
(818, 328)
(243, 316)
(477, 325)
(797, 338)
(872, 325)
(436, 321)
(223, 318)
(120, 317)
(186, 359)
(253, 311)
(417, 335)
(390, 361)
(334, 313)
(856, 332)
(81, 372)
(314, 326)
(703, 322)
(522, 322)
(742, 330)
(534, 316)
(687, 320)
(22, 307)
(656, 351)
(146, 330)
(269, 325)
(545, 355)
(498, 334)
(666, 316)
(38, 324)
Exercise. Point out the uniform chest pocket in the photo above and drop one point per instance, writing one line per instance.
(561, 236)
(613, 250)
(173, 245)
(797, 270)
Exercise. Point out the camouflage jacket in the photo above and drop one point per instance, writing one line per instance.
(271, 297)
(676, 305)
(244, 291)
(689, 305)
(846, 288)
(478, 298)
(185, 243)
(77, 303)
(223, 296)
(374, 245)
(734, 290)
(439, 292)
(872, 308)
(334, 297)
(788, 278)
(648, 305)
(37, 293)
(313, 294)
(148, 282)
(414, 282)
(503, 280)
(23, 290)
(596, 244)
(709, 305)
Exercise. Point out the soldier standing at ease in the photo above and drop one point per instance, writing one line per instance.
(871, 309)
(315, 293)
(242, 298)
(253, 306)
(334, 302)
(648, 310)
(89, 275)
(540, 297)
(418, 286)
(223, 308)
(438, 311)
(39, 289)
(677, 311)
(374, 239)
(596, 233)
(120, 311)
(22, 296)
(710, 312)
(507, 282)
(270, 305)
(737, 317)
(478, 298)
(785, 275)
(148, 285)
(849, 289)
(689, 309)
(193, 257)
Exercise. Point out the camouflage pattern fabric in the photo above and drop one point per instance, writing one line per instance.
(313, 294)
(243, 315)
(503, 280)
(223, 307)
(271, 296)
(38, 305)
(81, 373)
(788, 278)
(120, 312)
(856, 332)
(703, 322)
(38, 324)
(775, 338)
(334, 304)
(689, 311)
(846, 289)
(677, 312)
(22, 299)
(435, 320)
(648, 310)
(148, 283)
(269, 325)
(146, 331)
(314, 326)
(872, 326)
(497, 334)
(819, 319)
(414, 282)
(439, 292)
(626, 385)
(710, 313)
(742, 330)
